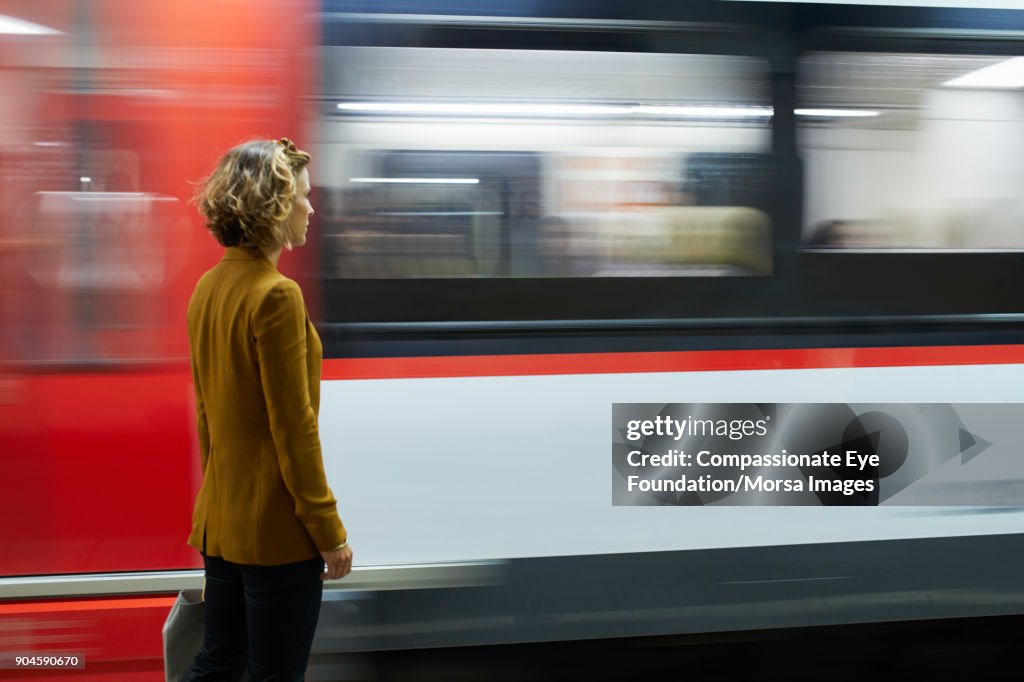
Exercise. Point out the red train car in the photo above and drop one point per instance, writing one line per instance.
(111, 109)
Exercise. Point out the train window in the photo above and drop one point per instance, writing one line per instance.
(86, 260)
(911, 151)
(93, 273)
(446, 163)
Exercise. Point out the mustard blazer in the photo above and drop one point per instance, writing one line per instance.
(256, 367)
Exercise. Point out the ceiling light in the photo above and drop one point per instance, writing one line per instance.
(837, 113)
(12, 26)
(483, 109)
(703, 111)
(1005, 74)
(419, 181)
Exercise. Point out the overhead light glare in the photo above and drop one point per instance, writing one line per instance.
(14, 26)
(837, 113)
(419, 181)
(512, 109)
(704, 111)
(483, 109)
(1006, 74)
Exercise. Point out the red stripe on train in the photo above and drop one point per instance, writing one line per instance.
(113, 603)
(671, 361)
(118, 636)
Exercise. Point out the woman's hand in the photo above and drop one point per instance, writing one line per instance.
(338, 563)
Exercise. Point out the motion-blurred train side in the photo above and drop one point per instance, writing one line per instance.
(523, 217)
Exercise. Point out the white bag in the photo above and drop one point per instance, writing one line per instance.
(183, 633)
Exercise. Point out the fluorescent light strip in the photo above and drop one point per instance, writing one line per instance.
(1005, 74)
(468, 108)
(419, 181)
(704, 112)
(837, 113)
(691, 112)
(438, 213)
(13, 26)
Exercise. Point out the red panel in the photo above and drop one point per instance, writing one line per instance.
(120, 637)
(106, 470)
(101, 468)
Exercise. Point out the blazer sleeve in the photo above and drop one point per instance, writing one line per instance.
(202, 428)
(280, 331)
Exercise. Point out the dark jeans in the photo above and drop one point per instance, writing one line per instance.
(260, 616)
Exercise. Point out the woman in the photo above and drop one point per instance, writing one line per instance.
(265, 520)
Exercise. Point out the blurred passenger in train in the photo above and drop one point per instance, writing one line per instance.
(827, 235)
(265, 519)
(554, 242)
(848, 234)
(560, 250)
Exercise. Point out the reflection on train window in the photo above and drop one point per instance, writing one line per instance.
(911, 151)
(88, 260)
(91, 274)
(491, 163)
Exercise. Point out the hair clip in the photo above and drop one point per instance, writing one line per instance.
(287, 144)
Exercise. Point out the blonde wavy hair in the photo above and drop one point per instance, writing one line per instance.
(248, 197)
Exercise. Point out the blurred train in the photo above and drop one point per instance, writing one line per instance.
(526, 212)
